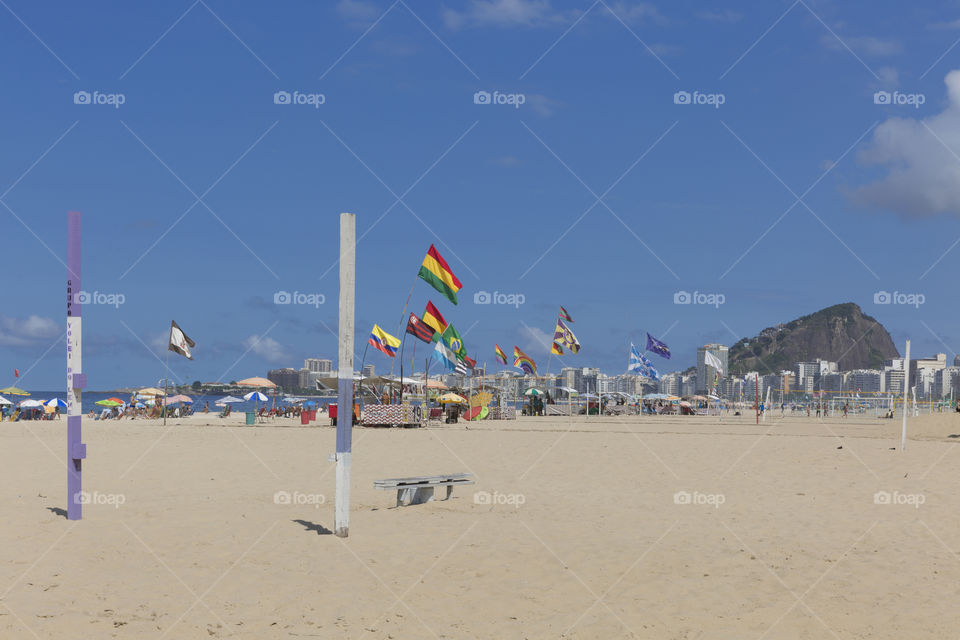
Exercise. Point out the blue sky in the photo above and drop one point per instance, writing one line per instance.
(605, 191)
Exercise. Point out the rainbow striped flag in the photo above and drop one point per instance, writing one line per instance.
(524, 361)
(433, 318)
(383, 341)
(501, 356)
(437, 273)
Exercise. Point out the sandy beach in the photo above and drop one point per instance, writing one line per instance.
(669, 528)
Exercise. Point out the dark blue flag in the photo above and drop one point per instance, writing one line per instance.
(657, 347)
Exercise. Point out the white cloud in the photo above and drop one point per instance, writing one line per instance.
(542, 105)
(538, 337)
(22, 332)
(503, 13)
(358, 10)
(862, 45)
(268, 349)
(953, 24)
(921, 159)
(637, 12)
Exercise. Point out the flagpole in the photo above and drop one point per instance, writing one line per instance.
(165, 381)
(403, 314)
(426, 380)
(363, 359)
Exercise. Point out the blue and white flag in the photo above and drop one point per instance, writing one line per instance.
(445, 356)
(641, 365)
(657, 347)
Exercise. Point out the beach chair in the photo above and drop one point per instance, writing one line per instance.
(226, 411)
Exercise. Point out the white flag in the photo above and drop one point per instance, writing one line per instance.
(713, 361)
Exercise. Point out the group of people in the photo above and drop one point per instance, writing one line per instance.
(12, 413)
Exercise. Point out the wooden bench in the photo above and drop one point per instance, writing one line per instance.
(419, 489)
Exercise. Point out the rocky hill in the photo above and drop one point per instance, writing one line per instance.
(842, 333)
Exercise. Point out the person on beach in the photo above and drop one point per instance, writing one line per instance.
(846, 408)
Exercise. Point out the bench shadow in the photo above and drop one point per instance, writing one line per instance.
(313, 526)
(954, 435)
(58, 511)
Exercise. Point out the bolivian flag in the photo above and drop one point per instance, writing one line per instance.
(433, 319)
(437, 273)
(383, 341)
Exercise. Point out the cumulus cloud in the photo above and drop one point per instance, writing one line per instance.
(25, 332)
(922, 160)
(268, 349)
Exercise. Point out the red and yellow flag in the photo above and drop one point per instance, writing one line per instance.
(437, 273)
(433, 318)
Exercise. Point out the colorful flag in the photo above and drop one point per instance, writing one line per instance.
(383, 341)
(564, 315)
(470, 362)
(179, 342)
(556, 349)
(524, 361)
(657, 347)
(16, 373)
(712, 361)
(564, 337)
(501, 356)
(452, 339)
(417, 327)
(446, 357)
(437, 273)
(433, 318)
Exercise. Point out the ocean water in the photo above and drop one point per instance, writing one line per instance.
(90, 399)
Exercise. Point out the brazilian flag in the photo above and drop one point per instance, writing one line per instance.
(452, 339)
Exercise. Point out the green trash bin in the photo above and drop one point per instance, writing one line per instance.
(251, 418)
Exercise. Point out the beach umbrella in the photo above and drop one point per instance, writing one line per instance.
(175, 399)
(451, 397)
(56, 402)
(31, 404)
(151, 391)
(228, 400)
(255, 396)
(533, 392)
(109, 403)
(256, 382)
(13, 391)
(4, 401)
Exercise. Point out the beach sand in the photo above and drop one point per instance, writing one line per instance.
(634, 527)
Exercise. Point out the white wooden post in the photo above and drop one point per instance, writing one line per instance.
(348, 247)
(906, 384)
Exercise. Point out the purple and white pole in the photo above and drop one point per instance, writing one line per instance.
(76, 380)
